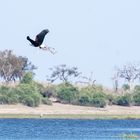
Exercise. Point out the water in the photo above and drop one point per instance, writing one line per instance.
(66, 129)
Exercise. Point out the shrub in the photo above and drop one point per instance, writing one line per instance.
(12, 98)
(49, 92)
(98, 99)
(37, 99)
(27, 78)
(3, 99)
(137, 88)
(30, 91)
(110, 98)
(124, 100)
(39, 87)
(26, 88)
(27, 100)
(136, 98)
(32, 100)
(125, 87)
(98, 102)
(46, 101)
(87, 91)
(28, 94)
(84, 100)
(8, 95)
(92, 97)
(4, 89)
(67, 93)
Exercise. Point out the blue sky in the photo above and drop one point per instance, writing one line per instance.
(94, 35)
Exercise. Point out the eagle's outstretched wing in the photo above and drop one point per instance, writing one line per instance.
(39, 40)
(40, 37)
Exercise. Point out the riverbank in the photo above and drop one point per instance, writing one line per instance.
(65, 111)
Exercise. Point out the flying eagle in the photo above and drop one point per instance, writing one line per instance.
(39, 40)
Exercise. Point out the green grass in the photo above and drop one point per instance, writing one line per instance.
(70, 116)
(130, 136)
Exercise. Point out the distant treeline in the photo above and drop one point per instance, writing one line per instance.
(28, 92)
(31, 93)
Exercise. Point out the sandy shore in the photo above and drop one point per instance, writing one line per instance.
(58, 108)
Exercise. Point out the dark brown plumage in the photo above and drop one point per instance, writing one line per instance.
(39, 38)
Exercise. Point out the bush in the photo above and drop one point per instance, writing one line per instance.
(110, 98)
(87, 92)
(8, 95)
(27, 78)
(32, 100)
(98, 99)
(46, 101)
(37, 99)
(137, 88)
(3, 99)
(125, 87)
(136, 98)
(12, 97)
(98, 102)
(4, 89)
(84, 100)
(49, 92)
(67, 93)
(39, 87)
(28, 94)
(92, 97)
(30, 91)
(124, 100)
(28, 100)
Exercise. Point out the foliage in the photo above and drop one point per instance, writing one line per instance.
(130, 136)
(28, 82)
(27, 78)
(8, 95)
(137, 88)
(49, 91)
(63, 73)
(85, 95)
(136, 97)
(110, 98)
(126, 87)
(31, 100)
(92, 97)
(98, 100)
(26, 94)
(84, 100)
(46, 101)
(67, 93)
(13, 67)
(8, 98)
(124, 100)
(27, 100)
(29, 91)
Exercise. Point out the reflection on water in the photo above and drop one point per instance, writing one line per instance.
(67, 129)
